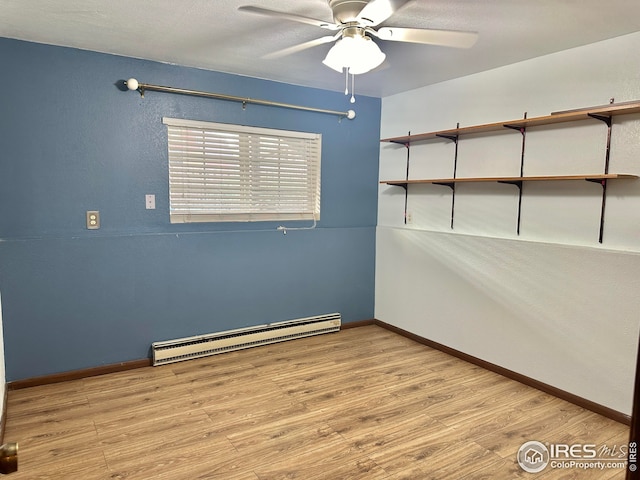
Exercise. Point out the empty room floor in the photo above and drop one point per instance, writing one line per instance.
(364, 403)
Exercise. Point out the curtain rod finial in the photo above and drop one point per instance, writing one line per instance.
(132, 84)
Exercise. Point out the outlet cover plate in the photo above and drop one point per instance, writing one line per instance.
(93, 219)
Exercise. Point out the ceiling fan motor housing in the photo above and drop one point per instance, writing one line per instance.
(345, 11)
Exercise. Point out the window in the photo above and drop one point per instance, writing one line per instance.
(232, 173)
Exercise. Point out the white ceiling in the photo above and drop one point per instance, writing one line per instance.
(214, 35)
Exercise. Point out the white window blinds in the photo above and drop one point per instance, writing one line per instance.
(231, 173)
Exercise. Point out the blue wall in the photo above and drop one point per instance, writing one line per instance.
(71, 141)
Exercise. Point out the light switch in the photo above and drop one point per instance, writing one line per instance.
(150, 201)
(93, 219)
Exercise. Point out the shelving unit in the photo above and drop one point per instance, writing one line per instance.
(559, 117)
(546, 178)
(601, 113)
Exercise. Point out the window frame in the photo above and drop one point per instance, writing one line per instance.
(258, 175)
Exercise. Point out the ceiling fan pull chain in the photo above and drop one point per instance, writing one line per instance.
(346, 81)
(353, 88)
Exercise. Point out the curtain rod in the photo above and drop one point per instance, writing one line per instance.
(133, 84)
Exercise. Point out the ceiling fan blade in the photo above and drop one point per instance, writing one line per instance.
(445, 38)
(377, 11)
(289, 16)
(302, 46)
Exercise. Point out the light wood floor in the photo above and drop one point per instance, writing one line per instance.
(364, 403)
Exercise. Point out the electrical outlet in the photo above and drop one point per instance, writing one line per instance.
(150, 201)
(93, 219)
(409, 217)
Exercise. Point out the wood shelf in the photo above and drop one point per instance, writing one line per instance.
(560, 117)
(593, 178)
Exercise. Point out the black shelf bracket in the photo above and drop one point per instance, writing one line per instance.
(603, 118)
(517, 183)
(453, 138)
(407, 144)
(607, 120)
(405, 186)
(516, 127)
(523, 132)
(451, 185)
(601, 181)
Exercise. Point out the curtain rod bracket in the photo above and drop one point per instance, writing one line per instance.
(133, 84)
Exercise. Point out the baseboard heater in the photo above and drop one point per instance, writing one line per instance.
(211, 344)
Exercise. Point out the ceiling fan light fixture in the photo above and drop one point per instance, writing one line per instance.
(358, 53)
(335, 58)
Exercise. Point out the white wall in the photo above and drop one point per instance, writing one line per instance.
(551, 303)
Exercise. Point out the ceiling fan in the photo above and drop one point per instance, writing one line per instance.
(354, 22)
